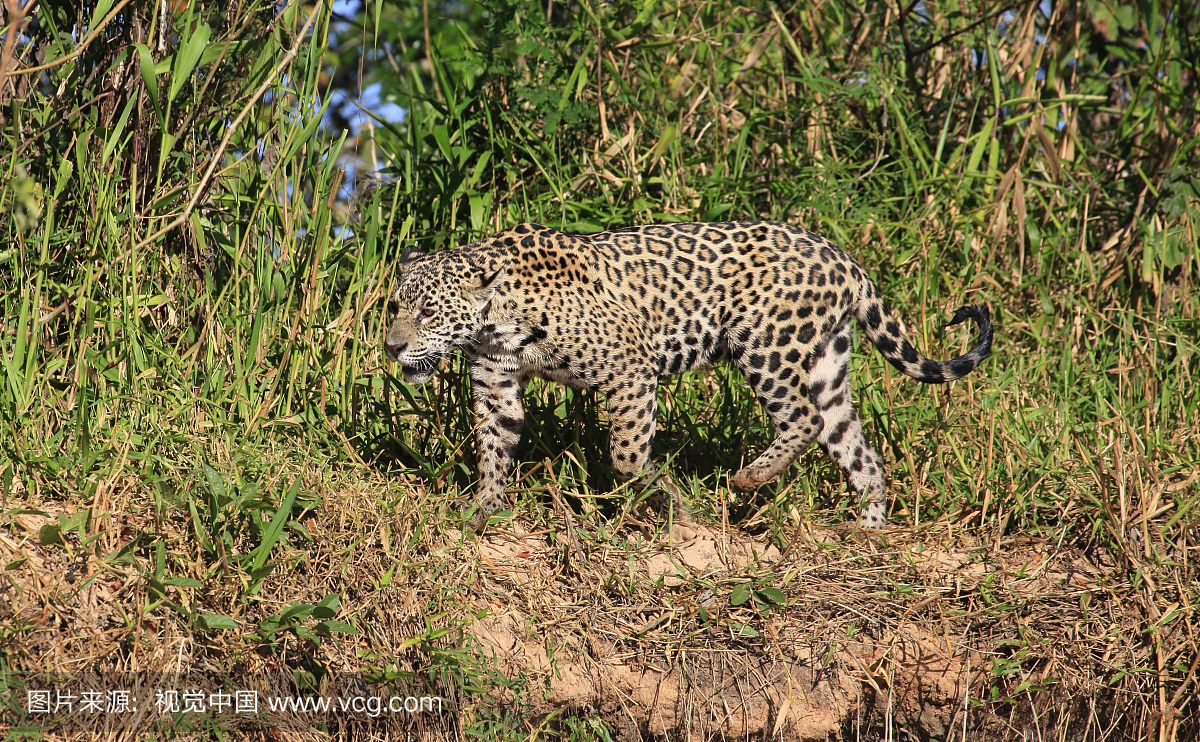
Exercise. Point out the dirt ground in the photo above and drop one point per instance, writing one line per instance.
(713, 633)
(833, 664)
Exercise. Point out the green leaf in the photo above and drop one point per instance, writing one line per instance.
(186, 60)
(715, 212)
(263, 551)
(99, 12)
(147, 67)
(341, 627)
(478, 211)
(740, 594)
(115, 137)
(215, 483)
(442, 136)
(664, 141)
(304, 633)
(181, 582)
(771, 595)
(77, 521)
(49, 535)
(65, 169)
(477, 171)
(1126, 15)
(300, 610)
(214, 621)
(981, 144)
(198, 525)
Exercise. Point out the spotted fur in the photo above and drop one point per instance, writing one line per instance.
(618, 310)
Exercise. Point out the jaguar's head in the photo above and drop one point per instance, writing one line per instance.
(437, 306)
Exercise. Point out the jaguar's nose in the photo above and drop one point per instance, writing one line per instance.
(394, 349)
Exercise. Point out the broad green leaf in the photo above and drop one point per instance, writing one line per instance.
(66, 168)
(49, 535)
(478, 212)
(148, 77)
(981, 144)
(185, 60)
(328, 627)
(303, 633)
(664, 141)
(115, 137)
(99, 12)
(215, 483)
(771, 595)
(77, 521)
(216, 621)
(301, 610)
(442, 136)
(263, 551)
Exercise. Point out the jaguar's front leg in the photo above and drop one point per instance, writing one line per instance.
(499, 418)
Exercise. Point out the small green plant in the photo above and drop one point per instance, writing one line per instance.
(760, 595)
(294, 621)
(158, 580)
(228, 518)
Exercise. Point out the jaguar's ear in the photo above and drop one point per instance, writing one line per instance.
(485, 286)
(410, 254)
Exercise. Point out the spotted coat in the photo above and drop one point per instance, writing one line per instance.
(616, 311)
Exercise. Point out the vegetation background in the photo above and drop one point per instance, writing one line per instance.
(201, 205)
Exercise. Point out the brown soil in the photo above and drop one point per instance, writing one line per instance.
(930, 633)
(830, 665)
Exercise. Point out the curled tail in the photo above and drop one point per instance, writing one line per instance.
(884, 332)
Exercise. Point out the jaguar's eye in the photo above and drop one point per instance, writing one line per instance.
(426, 312)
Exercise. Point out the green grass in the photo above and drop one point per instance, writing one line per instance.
(205, 413)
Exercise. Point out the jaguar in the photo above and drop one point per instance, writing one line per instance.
(616, 311)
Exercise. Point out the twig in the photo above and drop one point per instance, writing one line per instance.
(78, 50)
(19, 21)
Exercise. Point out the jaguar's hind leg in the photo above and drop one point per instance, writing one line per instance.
(842, 434)
(782, 388)
(632, 408)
